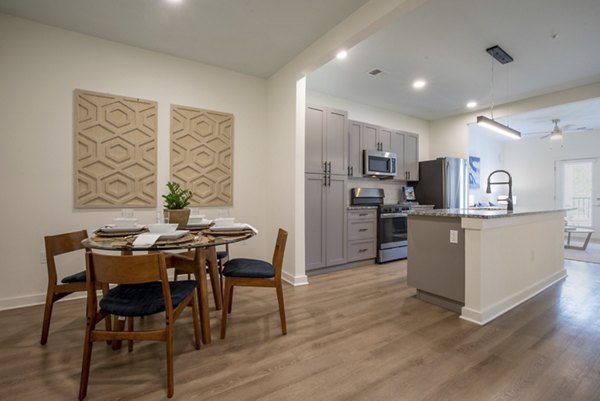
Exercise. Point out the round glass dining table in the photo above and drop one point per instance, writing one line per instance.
(191, 253)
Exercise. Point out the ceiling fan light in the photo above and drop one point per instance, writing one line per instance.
(556, 136)
(497, 127)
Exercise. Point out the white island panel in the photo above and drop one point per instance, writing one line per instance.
(509, 260)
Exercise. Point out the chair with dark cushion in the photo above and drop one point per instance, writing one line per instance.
(142, 288)
(58, 245)
(255, 273)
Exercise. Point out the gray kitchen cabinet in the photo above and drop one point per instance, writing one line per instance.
(355, 129)
(411, 156)
(406, 147)
(376, 138)
(326, 140)
(325, 220)
(362, 234)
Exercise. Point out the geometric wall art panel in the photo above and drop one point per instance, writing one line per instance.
(115, 151)
(202, 154)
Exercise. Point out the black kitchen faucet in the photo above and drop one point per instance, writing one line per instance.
(509, 182)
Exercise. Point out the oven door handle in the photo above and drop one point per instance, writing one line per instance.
(392, 215)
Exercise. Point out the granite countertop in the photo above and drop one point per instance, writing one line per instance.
(480, 213)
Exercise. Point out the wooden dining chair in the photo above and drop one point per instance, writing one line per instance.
(255, 273)
(58, 245)
(141, 290)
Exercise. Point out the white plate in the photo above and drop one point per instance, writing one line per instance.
(233, 227)
(202, 223)
(174, 235)
(111, 228)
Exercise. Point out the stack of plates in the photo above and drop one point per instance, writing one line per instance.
(112, 230)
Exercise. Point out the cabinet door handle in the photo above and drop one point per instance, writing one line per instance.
(362, 230)
(348, 171)
(324, 167)
(362, 250)
(363, 214)
(352, 170)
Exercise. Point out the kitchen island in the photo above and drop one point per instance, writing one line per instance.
(483, 262)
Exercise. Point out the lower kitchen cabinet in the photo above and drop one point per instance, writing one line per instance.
(325, 220)
(362, 234)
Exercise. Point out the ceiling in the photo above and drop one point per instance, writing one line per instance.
(255, 37)
(553, 43)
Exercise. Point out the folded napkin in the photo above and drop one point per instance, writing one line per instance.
(246, 225)
(146, 239)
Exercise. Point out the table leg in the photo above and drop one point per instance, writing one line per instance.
(202, 289)
(587, 240)
(213, 271)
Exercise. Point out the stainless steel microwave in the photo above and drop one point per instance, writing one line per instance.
(377, 163)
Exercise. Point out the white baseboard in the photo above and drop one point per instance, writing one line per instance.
(32, 300)
(294, 280)
(499, 308)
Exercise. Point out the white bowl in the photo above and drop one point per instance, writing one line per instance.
(161, 228)
(125, 222)
(196, 219)
(224, 221)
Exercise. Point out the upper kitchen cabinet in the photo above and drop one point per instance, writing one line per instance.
(376, 138)
(406, 147)
(411, 156)
(326, 140)
(364, 136)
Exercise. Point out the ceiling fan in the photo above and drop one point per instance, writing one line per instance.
(557, 132)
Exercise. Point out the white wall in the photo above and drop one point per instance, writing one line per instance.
(532, 161)
(40, 66)
(491, 153)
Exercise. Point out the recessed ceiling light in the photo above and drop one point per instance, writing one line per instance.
(175, 1)
(418, 84)
(342, 54)
(470, 105)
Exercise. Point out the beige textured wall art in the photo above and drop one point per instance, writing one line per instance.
(115, 151)
(202, 154)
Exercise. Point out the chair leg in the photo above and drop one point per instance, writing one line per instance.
(281, 308)
(230, 299)
(226, 306)
(130, 329)
(196, 321)
(47, 315)
(170, 375)
(85, 364)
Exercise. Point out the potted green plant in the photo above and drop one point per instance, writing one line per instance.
(176, 202)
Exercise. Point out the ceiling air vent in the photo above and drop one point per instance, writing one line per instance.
(375, 72)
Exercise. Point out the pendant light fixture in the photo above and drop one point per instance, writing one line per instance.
(502, 57)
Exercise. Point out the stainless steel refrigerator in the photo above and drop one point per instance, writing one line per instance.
(443, 182)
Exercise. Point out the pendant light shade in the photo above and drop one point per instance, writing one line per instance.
(497, 127)
(503, 58)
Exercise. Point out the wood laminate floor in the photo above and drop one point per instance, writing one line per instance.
(357, 334)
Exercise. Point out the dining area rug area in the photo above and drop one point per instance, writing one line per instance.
(591, 254)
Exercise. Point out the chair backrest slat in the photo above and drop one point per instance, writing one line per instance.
(64, 243)
(129, 269)
(279, 252)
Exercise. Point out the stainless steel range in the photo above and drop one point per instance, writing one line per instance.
(392, 223)
(392, 232)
